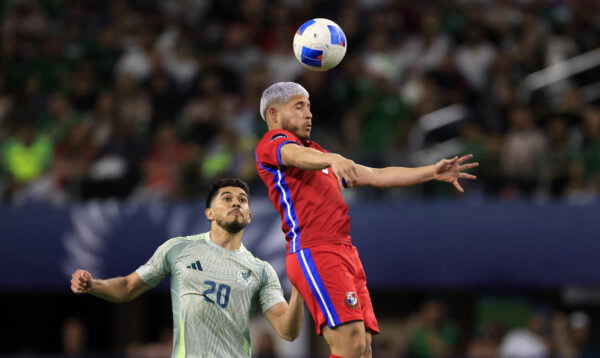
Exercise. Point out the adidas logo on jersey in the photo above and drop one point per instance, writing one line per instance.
(195, 266)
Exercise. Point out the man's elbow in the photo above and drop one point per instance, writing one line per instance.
(290, 336)
(292, 332)
(119, 298)
(128, 295)
(127, 298)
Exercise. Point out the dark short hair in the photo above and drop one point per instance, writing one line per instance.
(221, 183)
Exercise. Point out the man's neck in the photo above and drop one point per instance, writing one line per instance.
(226, 239)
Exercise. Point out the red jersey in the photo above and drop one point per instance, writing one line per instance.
(310, 203)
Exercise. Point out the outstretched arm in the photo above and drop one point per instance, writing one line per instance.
(118, 289)
(286, 319)
(446, 170)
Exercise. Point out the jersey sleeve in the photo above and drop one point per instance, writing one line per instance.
(268, 150)
(159, 265)
(270, 291)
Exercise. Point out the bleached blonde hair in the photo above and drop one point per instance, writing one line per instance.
(279, 93)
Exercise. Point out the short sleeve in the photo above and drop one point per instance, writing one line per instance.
(268, 150)
(159, 265)
(270, 291)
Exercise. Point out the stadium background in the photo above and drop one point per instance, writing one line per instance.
(115, 115)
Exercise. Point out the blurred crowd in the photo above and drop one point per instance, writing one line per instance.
(505, 328)
(153, 99)
(498, 327)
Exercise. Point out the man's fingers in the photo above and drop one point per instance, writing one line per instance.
(80, 281)
(449, 162)
(344, 183)
(76, 288)
(465, 157)
(468, 166)
(458, 186)
(348, 178)
(467, 176)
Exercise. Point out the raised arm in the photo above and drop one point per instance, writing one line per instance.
(286, 319)
(118, 289)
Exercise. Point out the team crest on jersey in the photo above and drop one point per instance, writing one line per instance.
(244, 277)
(278, 135)
(351, 299)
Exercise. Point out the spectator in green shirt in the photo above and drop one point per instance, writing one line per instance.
(26, 156)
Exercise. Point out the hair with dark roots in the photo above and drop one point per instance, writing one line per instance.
(221, 183)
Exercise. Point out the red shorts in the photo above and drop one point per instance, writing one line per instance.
(333, 284)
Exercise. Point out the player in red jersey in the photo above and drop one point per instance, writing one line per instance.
(305, 183)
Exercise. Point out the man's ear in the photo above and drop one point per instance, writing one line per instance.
(209, 214)
(249, 218)
(272, 114)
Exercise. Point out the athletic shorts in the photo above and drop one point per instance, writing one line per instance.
(333, 284)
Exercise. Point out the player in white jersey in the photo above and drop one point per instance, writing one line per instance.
(216, 284)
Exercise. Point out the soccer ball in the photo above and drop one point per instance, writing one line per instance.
(319, 44)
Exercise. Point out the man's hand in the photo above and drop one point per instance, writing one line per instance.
(81, 281)
(450, 170)
(346, 172)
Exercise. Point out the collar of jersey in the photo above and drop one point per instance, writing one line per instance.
(210, 242)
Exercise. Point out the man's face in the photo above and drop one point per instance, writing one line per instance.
(230, 209)
(296, 117)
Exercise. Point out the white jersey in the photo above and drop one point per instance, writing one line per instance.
(214, 292)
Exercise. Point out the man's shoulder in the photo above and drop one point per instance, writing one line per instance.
(175, 241)
(195, 237)
(278, 135)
